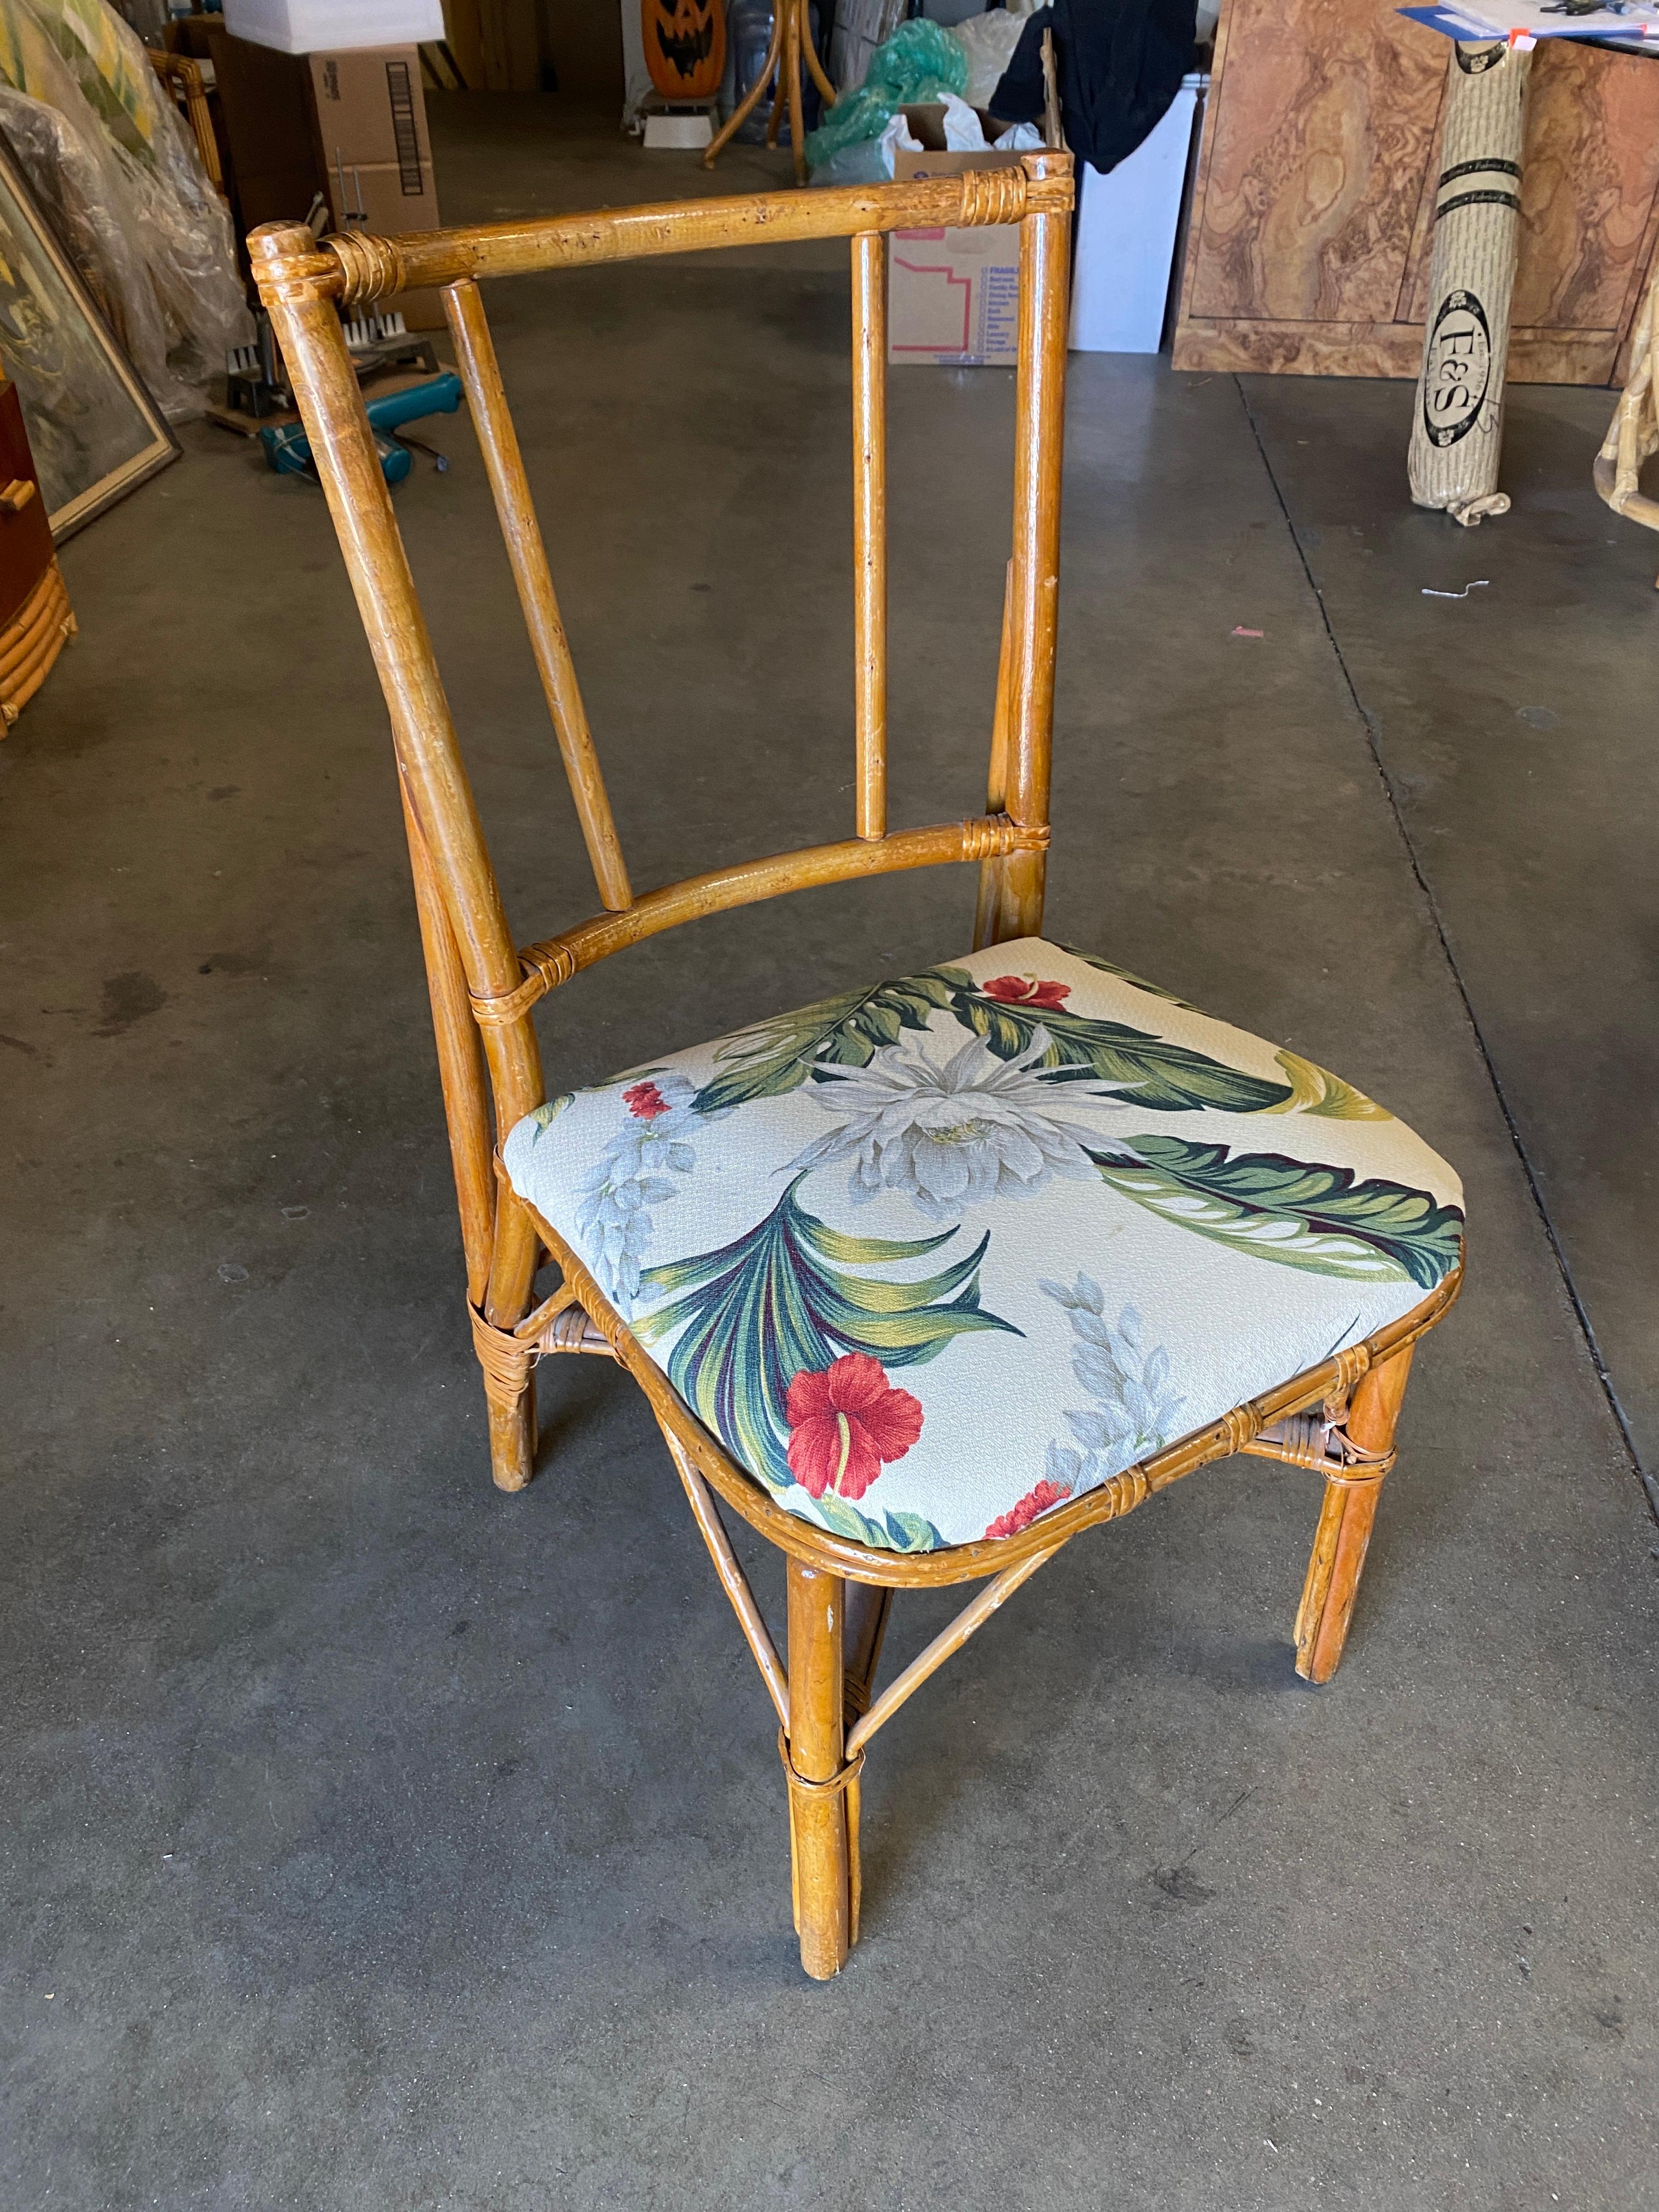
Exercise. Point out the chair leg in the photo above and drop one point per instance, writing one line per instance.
(1345, 1525)
(510, 1376)
(865, 1626)
(815, 1770)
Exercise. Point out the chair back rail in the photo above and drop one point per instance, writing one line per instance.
(482, 988)
(366, 267)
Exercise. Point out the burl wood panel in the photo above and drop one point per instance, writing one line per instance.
(1315, 197)
(1324, 112)
(1587, 196)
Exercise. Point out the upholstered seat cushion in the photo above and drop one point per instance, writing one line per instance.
(933, 1257)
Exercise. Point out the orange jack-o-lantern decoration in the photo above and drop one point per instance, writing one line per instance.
(685, 46)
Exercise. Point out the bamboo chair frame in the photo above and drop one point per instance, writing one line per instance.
(1632, 436)
(1337, 1418)
(188, 88)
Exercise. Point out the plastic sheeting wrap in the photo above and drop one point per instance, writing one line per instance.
(66, 180)
(148, 232)
(988, 40)
(919, 62)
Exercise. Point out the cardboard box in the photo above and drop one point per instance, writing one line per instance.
(952, 295)
(378, 199)
(268, 150)
(370, 109)
(352, 125)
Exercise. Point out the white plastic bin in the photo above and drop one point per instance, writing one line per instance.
(324, 27)
(1128, 220)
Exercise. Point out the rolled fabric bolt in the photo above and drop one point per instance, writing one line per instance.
(1457, 426)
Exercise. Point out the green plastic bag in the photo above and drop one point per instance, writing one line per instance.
(921, 61)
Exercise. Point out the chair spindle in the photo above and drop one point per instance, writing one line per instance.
(498, 441)
(870, 527)
(1039, 422)
(996, 790)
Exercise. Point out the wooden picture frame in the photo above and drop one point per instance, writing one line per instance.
(95, 430)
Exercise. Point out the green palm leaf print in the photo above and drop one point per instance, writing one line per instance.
(1296, 1211)
(781, 1300)
(1128, 976)
(893, 1532)
(1146, 1071)
(777, 1056)
(1314, 1090)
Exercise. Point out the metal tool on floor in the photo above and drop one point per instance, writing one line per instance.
(288, 450)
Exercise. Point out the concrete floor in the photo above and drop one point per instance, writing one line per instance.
(372, 1840)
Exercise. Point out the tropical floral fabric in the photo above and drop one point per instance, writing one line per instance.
(933, 1257)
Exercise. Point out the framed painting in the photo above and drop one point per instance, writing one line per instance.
(93, 430)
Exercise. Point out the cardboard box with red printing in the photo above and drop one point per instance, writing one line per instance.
(953, 294)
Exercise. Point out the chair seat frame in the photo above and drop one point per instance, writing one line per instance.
(1337, 1419)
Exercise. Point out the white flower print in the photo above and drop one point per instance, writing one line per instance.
(1135, 1412)
(615, 1197)
(976, 1129)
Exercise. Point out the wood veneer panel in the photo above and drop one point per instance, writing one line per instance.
(1591, 177)
(1591, 169)
(1325, 110)
(1300, 349)
(1390, 350)
(1315, 197)
(1561, 356)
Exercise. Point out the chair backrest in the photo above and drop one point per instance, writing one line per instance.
(482, 987)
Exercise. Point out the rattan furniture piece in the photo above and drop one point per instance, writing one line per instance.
(1082, 1188)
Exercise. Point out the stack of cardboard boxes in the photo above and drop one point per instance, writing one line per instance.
(351, 125)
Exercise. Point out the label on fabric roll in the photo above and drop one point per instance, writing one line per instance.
(1478, 199)
(1486, 169)
(1457, 368)
(1494, 183)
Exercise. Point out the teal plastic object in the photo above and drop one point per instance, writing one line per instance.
(288, 450)
(921, 61)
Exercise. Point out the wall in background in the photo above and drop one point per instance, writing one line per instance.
(535, 45)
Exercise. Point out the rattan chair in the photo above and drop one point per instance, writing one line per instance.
(1060, 1118)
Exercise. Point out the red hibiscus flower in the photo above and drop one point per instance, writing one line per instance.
(644, 1101)
(1026, 991)
(1020, 1517)
(845, 1422)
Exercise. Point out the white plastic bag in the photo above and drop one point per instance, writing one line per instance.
(1020, 138)
(988, 40)
(964, 132)
(897, 138)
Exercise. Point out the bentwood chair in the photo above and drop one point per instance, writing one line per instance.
(927, 1279)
